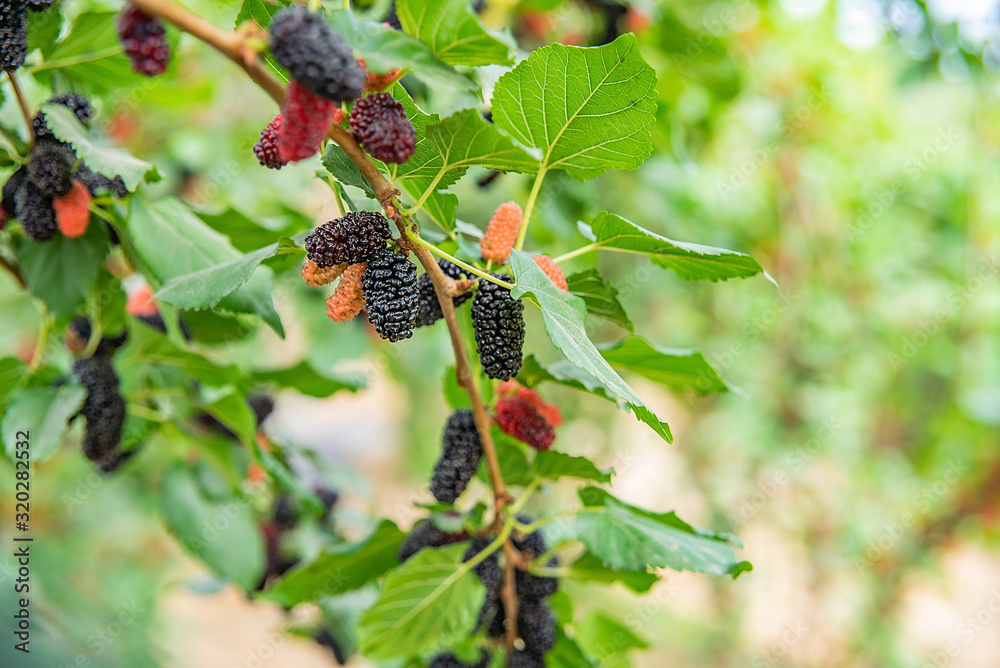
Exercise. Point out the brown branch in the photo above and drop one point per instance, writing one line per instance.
(14, 271)
(233, 46)
(22, 102)
(508, 594)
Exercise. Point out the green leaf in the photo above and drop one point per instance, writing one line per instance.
(43, 412)
(632, 539)
(602, 637)
(587, 109)
(308, 381)
(427, 603)
(453, 32)
(207, 287)
(344, 170)
(565, 317)
(90, 56)
(564, 373)
(456, 396)
(692, 262)
(340, 569)
(566, 653)
(600, 297)
(11, 371)
(385, 49)
(589, 568)
(44, 28)
(231, 409)
(150, 349)
(261, 12)
(552, 464)
(61, 271)
(222, 532)
(102, 159)
(174, 242)
(246, 233)
(513, 460)
(460, 141)
(441, 207)
(678, 369)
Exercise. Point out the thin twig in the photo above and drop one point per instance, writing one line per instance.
(22, 102)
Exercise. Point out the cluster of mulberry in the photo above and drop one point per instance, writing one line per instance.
(315, 55)
(144, 41)
(498, 323)
(461, 452)
(380, 124)
(103, 409)
(389, 288)
(501, 233)
(355, 237)
(428, 306)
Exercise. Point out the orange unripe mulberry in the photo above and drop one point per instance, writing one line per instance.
(501, 233)
(320, 276)
(347, 301)
(552, 270)
(73, 211)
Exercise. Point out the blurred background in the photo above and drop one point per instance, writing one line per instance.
(850, 146)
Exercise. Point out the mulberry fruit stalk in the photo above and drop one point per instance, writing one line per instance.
(353, 238)
(389, 286)
(501, 233)
(266, 148)
(428, 306)
(380, 124)
(144, 41)
(315, 55)
(306, 118)
(461, 452)
(73, 211)
(347, 300)
(498, 323)
(552, 270)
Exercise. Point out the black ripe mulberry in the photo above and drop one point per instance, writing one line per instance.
(326, 639)
(262, 406)
(51, 168)
(97, 182)
(522, 658)
(266, 148)
(10, 189)
(451, 661)
(536, 626)
(498, 323)
(34, 210)
(460, 457)
(428, 306)
(426, 534)
(389, 286)
(13, 34)
(491, 575)
(315, 55)
(143, 37)
(75, 102)
(352, 239)
(38, 5)
(379, 122)
(533, 587)
(104, 407)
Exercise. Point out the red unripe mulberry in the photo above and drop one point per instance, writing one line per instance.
(73, 211)
(306, 120)
(347, 301)
(266, 148)
(519, 418)
(380, 124)
(552, 270)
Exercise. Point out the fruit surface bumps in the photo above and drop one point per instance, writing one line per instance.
(389, 286)
(144, 40)
(461, 452)
(498, 323)
(306, 118)
(266, 148)
(428, 307)
(536, 626)
(347, 300)
(13, 34)
(104, 407)
(353, 238)
(501, 233)
(518, 417)
(380, 124)
(315, 55)
(317, 277)
(34, 210)
(552, 270)
(51, 167)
